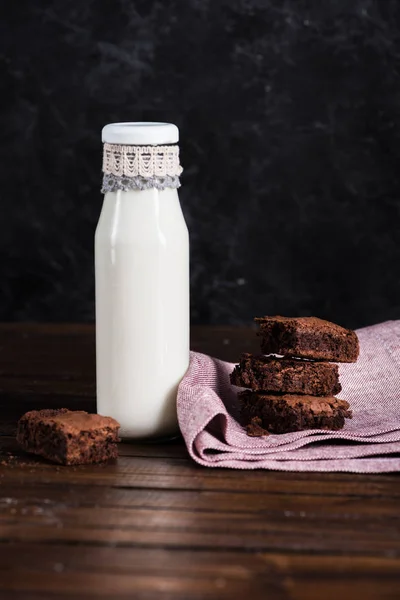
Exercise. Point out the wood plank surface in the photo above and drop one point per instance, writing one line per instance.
(156, 525)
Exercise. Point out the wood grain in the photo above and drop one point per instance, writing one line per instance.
(156, 525)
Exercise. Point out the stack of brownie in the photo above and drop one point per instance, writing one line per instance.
(295, 390)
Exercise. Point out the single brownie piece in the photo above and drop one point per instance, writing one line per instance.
(290, 376)
(307, 337)
(281, 414)
(68, 437)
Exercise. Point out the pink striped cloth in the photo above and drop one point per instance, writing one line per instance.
(369, 443)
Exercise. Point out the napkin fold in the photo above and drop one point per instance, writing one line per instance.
(208, 414)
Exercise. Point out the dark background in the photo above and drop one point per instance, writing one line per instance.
(290, 139)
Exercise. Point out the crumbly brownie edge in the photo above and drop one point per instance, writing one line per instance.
(43, 439)
(255, 428)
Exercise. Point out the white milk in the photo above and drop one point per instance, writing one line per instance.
(142, 305)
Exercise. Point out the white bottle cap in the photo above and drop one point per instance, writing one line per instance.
(140, 134)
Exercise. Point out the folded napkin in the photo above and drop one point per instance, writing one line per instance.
(208, 414)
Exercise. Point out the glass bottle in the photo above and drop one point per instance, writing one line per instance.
(142, 280)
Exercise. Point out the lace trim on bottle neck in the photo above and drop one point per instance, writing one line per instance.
(140, 167)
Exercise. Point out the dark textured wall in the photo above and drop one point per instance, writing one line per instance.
(289, 118)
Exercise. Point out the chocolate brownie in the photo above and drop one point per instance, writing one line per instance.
(291, 376)
(307, 337)
(275, 413)
(68, 437)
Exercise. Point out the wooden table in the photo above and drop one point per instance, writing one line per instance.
(155, 525)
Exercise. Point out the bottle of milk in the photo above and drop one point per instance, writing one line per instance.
(142, 280)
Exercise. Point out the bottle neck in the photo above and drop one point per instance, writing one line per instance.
(140, 167)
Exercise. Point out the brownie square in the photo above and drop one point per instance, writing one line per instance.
(273, 413)
(307, 337)
(68, 437)
(291, 376)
